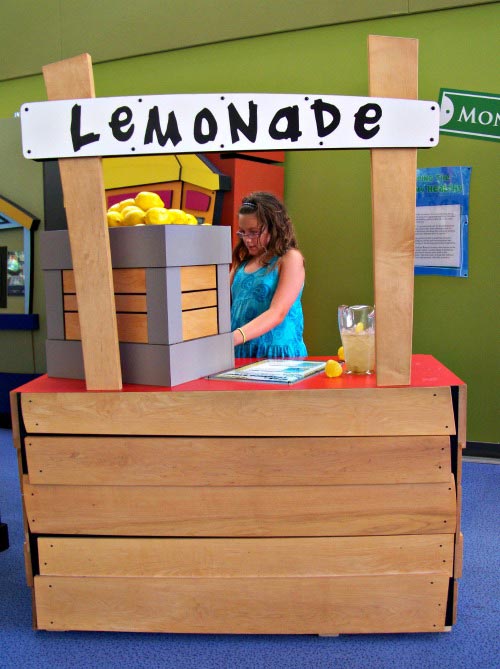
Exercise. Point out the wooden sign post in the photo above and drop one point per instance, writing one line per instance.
(84, 201)
(393, 72)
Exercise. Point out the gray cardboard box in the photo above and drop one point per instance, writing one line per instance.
(171, 285)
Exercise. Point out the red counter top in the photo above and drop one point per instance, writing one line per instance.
(426, 371)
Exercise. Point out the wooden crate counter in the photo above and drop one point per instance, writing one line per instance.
(171, 295)
(329, 506)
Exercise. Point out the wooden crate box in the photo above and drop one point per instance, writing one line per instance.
(172, 510)
(171, 286)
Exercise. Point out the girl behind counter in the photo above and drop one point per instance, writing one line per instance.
(267, 279)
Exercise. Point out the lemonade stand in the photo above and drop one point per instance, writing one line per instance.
(324, 507)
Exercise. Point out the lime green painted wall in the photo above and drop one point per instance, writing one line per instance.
(34, 32)
(328, 192)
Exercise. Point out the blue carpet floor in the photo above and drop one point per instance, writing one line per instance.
(473, 642)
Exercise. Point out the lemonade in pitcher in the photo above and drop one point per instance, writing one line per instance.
(357, 331)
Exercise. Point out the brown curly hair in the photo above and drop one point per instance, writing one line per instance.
(272, 215)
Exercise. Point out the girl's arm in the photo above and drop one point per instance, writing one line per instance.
(290, 282)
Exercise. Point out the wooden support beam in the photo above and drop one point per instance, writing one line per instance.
(393, 72)
(84, 201)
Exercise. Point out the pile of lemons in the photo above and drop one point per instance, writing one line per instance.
(146, 208)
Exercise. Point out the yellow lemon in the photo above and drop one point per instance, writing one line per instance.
(178, 216)
(333, 369)
(191, 220)
(359, 327)
(146, 200)
(120, 206)
(157, 216)
(133, 216)
(115, 219)
(340, 353)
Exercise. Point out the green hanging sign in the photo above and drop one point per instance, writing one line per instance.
(469, 114)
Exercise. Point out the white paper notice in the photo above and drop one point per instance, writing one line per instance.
(437, 236)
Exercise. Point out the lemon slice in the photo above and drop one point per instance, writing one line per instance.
(333, 369)
(359, 327)
(340, 353)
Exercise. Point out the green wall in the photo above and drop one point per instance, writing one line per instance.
(34, 33)
(328, 192)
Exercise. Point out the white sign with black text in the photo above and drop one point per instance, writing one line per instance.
(136, 125)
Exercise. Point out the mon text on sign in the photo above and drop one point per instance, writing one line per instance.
(468, 114)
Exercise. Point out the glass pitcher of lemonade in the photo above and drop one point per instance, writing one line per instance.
(357, 331)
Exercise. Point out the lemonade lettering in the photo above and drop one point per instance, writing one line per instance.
(162, 125)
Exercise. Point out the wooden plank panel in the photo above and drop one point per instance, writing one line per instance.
(199, 323)
(198, 277)
(408, 603)
(319, 556)
(134, 303)
(242, 511)
(461, 444)
(343, 412)
(393, 72)
(72, 326)
(131, 327)
(236, 461)
(459, 552)
(85, 205)
(199, 299)
(124, 280)
(14, 413)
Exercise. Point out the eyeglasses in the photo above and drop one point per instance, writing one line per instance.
(253, 234)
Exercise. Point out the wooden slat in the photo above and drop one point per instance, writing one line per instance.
(29, 560)
(407, 603)
(459, 552)
(85, 205)
(393, 70)
(242, 511)
(124, 280)
(198, 277)
(343, 412)
(462, 417)
(126, 303)
(198, 299)
(319, 556)
(131, 327)
(14, 413)
(191, 461)
(461, 444)
(199, 323)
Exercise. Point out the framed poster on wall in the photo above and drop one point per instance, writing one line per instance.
(442, 221)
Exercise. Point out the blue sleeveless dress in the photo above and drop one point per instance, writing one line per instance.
(251, 295)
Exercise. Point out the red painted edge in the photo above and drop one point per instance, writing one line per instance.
(426, 372)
